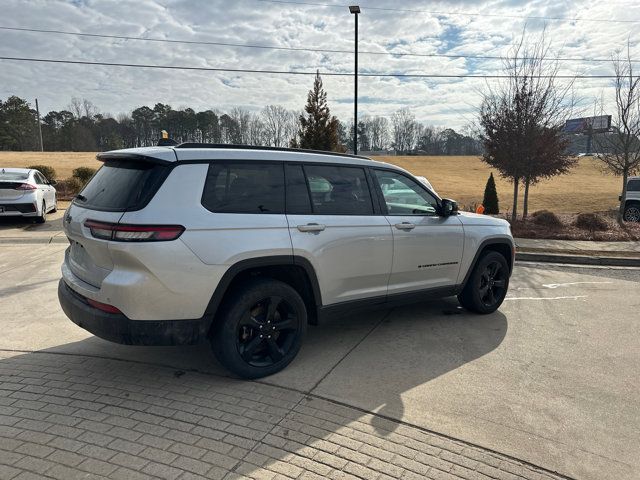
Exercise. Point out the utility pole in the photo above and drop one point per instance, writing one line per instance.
(355, 10)
(39, 125)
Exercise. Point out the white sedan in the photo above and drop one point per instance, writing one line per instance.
(26, 192)
(426, 182)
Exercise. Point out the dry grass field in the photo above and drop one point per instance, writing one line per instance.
(585, 189)
(63, 162)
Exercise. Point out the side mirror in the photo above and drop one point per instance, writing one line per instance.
(449, 207)
(53, 183)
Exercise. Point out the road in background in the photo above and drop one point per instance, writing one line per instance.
(551, 378)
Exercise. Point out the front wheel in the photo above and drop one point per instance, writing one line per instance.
(632, 213)
(260, 328)
(487, 286)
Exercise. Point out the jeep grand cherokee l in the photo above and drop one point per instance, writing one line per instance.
(245, 246)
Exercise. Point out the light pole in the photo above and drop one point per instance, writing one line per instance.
(39, 125)
(355, 10)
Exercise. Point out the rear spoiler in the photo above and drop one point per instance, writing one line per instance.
(132, 157)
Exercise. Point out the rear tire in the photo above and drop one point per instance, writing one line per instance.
(632, 213)
(260, 328)
(43, 216)
(487, 285)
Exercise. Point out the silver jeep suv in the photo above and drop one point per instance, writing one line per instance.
(632, 200)
(245, 246)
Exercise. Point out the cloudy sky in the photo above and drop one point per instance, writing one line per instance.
(422, 28)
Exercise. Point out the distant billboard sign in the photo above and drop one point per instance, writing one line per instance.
(601, 123)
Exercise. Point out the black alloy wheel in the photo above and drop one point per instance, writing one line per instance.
(492, 284)
(487, 285)
(259, 328)
(267, 332)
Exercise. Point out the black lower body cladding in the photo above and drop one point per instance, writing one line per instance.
(120, 329)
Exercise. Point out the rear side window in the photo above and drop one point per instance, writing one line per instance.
(338, 190)
(244, 188)
(633, 186)
(122, 185)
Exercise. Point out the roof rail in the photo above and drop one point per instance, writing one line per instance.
(255, 147)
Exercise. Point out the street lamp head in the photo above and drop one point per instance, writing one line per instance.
(354, 9)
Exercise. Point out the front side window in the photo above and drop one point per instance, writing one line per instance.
(633, 186)
(338, 190)
(244, 188)
(404, 196)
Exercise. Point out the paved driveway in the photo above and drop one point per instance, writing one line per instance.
(551, 379)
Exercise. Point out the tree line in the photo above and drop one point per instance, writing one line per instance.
(522, 121)
(82, 127)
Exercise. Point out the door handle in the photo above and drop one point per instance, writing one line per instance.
(405, 226)
(311, 227)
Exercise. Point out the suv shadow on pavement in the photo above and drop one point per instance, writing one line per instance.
(53, 223)
(410, 346)
(64, 414)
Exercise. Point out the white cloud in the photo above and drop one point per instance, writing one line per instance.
(436, 101)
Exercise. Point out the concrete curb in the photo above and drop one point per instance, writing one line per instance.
(34, 240)
(577, 259)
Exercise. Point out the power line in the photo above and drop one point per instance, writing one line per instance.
(464, 14)
(297, 49)
(289, 72)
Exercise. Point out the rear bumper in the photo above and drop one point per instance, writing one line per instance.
(12, 209)
(120, 329)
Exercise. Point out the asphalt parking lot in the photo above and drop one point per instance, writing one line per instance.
(550, 380)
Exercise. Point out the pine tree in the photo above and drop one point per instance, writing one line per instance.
(318, 129)
(490, 200)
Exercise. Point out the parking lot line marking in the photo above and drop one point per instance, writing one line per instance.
(556, 285)
(573, 297)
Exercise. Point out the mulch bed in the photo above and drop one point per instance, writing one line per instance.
(568, 230)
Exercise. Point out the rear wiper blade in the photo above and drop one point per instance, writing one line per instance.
(82, 198)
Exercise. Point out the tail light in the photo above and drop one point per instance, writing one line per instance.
(103, 306)
(133, 233)
(26, 186)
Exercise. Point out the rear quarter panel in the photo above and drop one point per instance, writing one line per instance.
(213, 241)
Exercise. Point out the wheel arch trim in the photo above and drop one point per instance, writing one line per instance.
(483, 245)
(251, 263)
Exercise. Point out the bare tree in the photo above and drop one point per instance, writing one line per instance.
(620, 150)
(277, 126)
(404, 130)
(291, 126)
(242, 119)
(523, 118)
(379, 133)
(82, 108)
(256, 130)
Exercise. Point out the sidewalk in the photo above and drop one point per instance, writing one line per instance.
(579, 251)
(582, 247)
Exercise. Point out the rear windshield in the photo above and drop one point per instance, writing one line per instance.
(122, 185)
(13, 176)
